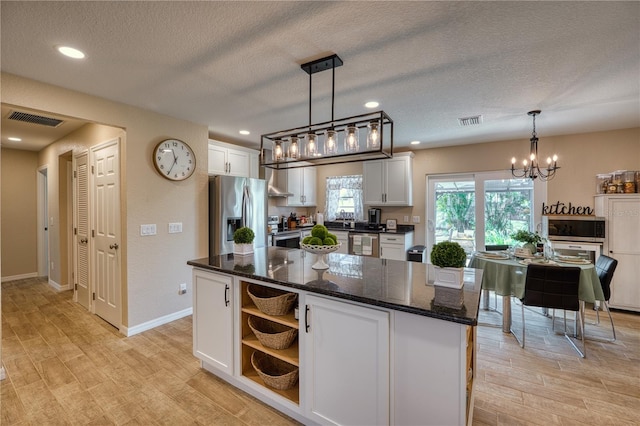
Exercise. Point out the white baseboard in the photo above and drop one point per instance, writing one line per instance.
(130, 331)
(58, 287)
(20, 277)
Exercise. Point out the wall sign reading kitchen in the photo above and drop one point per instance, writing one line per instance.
(568, 209)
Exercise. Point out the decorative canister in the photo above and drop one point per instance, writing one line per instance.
(629, 181)
(602, 183)
(638, 181)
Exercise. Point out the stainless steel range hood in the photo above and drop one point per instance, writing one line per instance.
(270, 176)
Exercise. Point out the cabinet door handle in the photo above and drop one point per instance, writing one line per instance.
(226, 295)
(306, 318)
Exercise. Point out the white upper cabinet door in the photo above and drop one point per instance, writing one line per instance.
(388, 182)
(238, 163)
(225, 159)
(301, 182)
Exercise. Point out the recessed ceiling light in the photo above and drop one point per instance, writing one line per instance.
(70, 52)
(15, 139)
(415, 142)
(245, 132)
(371, 104)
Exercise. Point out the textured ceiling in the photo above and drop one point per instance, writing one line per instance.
(236, 65)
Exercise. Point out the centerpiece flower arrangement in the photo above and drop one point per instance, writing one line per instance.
(449, 259)
(528, 239)
(243, 240)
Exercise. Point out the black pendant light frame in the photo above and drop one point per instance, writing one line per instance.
(361, 121)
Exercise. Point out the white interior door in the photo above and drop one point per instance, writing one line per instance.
(81, 229)
(43, 223)
(106, 239)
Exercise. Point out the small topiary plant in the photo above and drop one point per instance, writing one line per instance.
(448, 254)
(243, 235)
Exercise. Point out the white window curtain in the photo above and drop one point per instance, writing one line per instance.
(353, 186)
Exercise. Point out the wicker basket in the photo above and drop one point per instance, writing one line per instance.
(274, 372)
(271, 301)
(271, 334)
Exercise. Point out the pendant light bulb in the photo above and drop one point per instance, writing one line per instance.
(294, 148)
(311, 148)
(373, 135)
(331, 143)
(351, 139)
(278, 152)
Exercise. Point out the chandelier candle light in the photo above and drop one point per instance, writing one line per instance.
(531, 169)
(332, 142)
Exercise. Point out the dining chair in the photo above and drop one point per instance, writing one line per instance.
(605, 267)
(554, 287)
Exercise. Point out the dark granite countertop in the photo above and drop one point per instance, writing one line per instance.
(392, 284)
(364, 227)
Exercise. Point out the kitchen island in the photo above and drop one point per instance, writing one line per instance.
(375, 343)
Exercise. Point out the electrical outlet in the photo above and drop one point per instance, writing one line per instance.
(183, 288)
(149, 229)
(416, 219)
(175, 227)
(406, 219)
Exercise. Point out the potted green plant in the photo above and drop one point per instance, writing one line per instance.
(528, 239)
(449, 259)
(243, 240)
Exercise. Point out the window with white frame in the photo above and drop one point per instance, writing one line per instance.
(344, 198)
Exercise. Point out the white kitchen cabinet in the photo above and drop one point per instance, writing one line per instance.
(227, 159)
(213, 308)
(346, 373)
(301, 182)
(433, 371)
(388, 182)
(395, 246)
(623, 228)
(343, 238)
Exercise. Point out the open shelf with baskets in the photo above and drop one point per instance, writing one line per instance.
(284, 326)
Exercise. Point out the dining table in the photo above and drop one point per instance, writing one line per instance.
(506, 276)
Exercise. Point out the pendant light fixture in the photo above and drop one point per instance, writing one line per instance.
(321, 143)
(531, 167)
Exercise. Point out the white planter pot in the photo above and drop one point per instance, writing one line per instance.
(242, 248)
(449, 277)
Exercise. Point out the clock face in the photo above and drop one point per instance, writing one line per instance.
(174, 159)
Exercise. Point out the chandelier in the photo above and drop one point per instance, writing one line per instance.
(531, 168)
(343, 140)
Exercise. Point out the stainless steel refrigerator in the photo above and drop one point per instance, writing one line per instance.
(235, 202)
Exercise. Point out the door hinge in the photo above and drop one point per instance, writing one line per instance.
(75, 231)
(75, 174)
(94, 296)
(93, 233)
(75, 286)
(92, 170)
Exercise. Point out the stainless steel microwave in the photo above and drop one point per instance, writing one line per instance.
(574, 228)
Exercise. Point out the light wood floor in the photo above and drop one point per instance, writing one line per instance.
(66, 366)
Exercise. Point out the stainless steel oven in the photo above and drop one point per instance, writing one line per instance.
(289, 239)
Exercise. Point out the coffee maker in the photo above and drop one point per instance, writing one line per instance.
(374, 218)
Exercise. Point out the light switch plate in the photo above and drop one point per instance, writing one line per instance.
(416, 219)
(175, 227)
(406, 219)
(149, 229)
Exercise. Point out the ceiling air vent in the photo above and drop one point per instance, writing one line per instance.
(470, 121)
(35, 119)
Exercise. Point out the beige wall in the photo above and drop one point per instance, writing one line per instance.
(154, 266)
(18, 188)
(581, 157)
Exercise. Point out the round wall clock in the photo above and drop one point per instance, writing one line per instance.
(174, 159)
